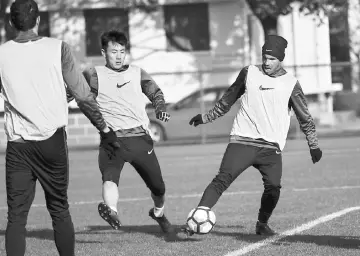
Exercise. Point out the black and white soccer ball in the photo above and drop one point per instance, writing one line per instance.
(201, 220)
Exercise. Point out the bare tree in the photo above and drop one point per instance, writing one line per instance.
(268, 11)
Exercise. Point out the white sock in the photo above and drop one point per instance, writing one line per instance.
(113, 208)
(158, 212)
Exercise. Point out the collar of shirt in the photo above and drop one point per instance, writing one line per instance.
(27, 36)
(123, 68)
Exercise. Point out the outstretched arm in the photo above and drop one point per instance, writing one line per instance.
(232, 94)
(155, 95)
(153, 92)
(307, 125)
(79, 89)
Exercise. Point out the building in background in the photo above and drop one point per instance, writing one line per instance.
(339, 31)
(309, 59)
(185, 44)
(352, 45)
(190, 44)
(173, 42)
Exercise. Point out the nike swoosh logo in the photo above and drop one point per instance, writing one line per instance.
(278, 152)
(121, 85)
(149, 152)
(265, 88)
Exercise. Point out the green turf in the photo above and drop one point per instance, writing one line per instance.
(309, 192)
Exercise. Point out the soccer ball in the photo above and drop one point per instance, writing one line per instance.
(201, 220)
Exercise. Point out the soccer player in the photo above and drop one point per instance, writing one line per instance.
(119, 90)
(266, 93)
(33, 73)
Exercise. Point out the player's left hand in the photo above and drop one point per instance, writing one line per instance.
(163, 116)
(316, 154)
(69, 95)
(196, 120)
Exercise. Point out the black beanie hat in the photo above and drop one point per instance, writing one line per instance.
(275, 46)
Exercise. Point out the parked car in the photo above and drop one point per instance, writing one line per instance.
(182, 111)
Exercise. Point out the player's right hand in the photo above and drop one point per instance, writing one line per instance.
(196, 120)
(316, 154)
(109, 142)
(163, 116)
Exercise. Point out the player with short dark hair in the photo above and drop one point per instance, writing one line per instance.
(36, 113)
(113, 36)
(119, 90)
(266, 94)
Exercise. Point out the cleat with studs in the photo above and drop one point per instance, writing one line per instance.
(110, 216)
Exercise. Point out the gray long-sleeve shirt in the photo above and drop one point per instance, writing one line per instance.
(148, 87)
(297, 102)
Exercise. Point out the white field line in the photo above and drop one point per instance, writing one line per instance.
(196, 195)
(252, 247)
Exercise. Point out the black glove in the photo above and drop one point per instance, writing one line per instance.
(109, 142)
(316, 154)
(196, 120)
(163, 116)
(69, 95)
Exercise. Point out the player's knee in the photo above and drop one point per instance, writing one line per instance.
(272, 184)
(59, 210)
(60, 216)
(159, 190)
(19, 218)
(272, 189)
(222, 181)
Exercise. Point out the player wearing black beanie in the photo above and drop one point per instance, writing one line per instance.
(266, 94)
(275, 46)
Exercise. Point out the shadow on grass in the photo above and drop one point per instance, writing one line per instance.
(42, 234)
(345, 242)
(153, 230)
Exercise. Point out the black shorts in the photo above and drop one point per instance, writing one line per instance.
(238, 157)
(139, 152)
(45, 161)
